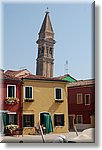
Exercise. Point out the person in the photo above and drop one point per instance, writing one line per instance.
(43, 128)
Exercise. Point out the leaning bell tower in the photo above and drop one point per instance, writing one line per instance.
(45, 57)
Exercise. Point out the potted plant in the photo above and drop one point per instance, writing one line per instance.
(11, 100)
(12, 127)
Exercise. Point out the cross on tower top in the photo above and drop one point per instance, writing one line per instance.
(47, 10)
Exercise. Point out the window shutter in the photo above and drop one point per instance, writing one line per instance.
(26, 92)
(30, 92)
(32, 120)
(54, 120)
(24, 120)
(7, 119)
(62, 119)
(4, 119)
(15, 119)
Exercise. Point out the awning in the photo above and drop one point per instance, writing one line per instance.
(11, 113)
(48, 123)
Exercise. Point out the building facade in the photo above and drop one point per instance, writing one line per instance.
(45, 104)
(10, 99)
(81, 104)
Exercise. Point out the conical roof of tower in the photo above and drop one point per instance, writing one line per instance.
(46, 25)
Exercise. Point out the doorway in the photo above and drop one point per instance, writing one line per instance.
(71, 122)
(46, 121)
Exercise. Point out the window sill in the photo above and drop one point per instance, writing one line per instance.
(59, 100)
(59, 126)
(28, 100)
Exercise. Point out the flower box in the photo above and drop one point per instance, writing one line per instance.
(11, 100)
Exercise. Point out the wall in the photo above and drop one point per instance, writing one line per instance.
(16, 107)
(85, 110)
(44, 101)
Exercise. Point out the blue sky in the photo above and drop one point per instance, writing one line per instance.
(72, 24)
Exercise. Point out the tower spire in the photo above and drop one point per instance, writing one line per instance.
(46, 25)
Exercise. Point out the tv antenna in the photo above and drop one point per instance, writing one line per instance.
(23, 67)
(66, 67)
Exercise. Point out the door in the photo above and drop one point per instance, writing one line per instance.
(71, 122)
(46, 121)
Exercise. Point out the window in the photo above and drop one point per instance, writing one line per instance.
(51, 51)
(87, 99)
(11, 91)
(47, 49)
(59, 120)
(28, 120)
(11, 118)
(79, 119)
(58, 93)
(79, 98)
(28, 92)
(41, 51)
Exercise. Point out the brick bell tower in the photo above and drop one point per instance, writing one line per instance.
(45, 58)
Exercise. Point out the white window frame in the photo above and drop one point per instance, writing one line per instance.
(81, 119)
(85, 99)
(10, 114)
(24, 91)
(61, 93)
(14, 88)
(81, 98)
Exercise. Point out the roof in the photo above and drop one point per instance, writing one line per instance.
(4, 76)
(38, 77)
(46, 25)
(25, 74)
(82, 83)
(17, 73)
(1, 70)
(67, 77)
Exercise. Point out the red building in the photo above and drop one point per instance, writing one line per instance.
(10, 99)
(81, 104)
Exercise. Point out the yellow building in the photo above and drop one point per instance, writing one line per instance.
(44, 103)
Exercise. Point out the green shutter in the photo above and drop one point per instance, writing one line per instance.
(7, 119)
(48, 123)
(4, 119)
